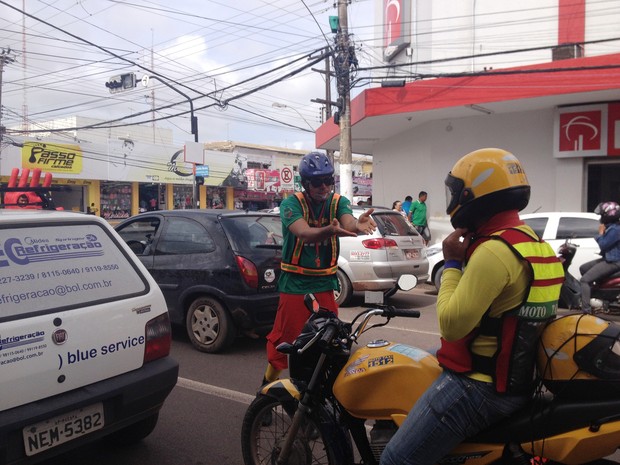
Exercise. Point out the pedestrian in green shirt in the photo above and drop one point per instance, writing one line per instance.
(417, 216)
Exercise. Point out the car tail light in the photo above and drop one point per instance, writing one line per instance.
(248, 271)
(380, 243)
(158, 338)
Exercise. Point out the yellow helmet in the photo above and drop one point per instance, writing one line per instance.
(483, 183)
(579, 355)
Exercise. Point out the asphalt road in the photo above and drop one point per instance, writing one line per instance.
(200, 422)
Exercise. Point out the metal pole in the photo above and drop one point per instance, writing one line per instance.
(194, 128)
(344, 63)
(5, 58)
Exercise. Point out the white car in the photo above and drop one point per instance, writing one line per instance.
(375, 262)
(84, 337)
(553, 227)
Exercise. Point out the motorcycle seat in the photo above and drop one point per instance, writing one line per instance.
(548, 417)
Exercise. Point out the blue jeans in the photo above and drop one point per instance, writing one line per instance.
(453, 408)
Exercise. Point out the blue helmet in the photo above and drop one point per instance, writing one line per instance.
(315, 165)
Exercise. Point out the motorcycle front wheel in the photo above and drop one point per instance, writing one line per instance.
(264, 428)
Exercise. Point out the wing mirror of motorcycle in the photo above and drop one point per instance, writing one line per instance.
(406, 282)
(311, 303)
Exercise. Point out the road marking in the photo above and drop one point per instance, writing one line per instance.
(216, 391)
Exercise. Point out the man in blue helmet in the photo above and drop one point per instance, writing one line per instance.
(312, 222)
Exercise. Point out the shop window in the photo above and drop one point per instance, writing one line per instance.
(115, 200)
(182, 197)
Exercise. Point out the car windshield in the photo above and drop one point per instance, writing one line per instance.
(393, 224)
(248, 232)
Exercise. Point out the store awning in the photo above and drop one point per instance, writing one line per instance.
(380, 113)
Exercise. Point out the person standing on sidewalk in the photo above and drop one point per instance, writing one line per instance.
(418, 216)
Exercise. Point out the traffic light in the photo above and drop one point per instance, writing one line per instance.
(120, 83)
(200, 180)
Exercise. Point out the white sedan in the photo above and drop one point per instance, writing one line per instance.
(553, 227)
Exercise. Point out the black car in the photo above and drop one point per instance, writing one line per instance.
(218, 269)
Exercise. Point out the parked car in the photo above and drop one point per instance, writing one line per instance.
(375, 262)
(218, 269)
(553, 227)
(84, 337)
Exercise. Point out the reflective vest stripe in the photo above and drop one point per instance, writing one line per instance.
(333, 211)
(309, 271)
(299, 245)
(294, 266)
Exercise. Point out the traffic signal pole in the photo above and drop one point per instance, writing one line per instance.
(128, 80)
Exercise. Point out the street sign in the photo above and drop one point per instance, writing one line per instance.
(286, 178)
(202, 170)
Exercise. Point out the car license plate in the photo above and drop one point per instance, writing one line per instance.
(412, 254)
(62, 428)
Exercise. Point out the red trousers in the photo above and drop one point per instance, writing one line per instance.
(290, 319)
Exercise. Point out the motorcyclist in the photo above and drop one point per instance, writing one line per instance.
(312, 222)
(608, 240)
(490, 312)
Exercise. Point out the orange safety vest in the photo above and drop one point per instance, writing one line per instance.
(313, 268)
(517, 331)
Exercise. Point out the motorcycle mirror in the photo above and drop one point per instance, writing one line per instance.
(406, 282)
(311, 303)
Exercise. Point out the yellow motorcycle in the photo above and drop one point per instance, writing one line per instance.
(342, 409)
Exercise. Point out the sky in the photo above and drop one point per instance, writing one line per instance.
(233, 59)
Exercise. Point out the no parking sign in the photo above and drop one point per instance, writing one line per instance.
(286, 178)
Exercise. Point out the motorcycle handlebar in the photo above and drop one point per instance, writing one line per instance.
(401, 312)
(330, 332)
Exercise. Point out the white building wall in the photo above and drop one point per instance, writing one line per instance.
(447, 29)
(421, 158)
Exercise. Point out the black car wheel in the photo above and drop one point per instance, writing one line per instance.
(209, 325)
(346, 289)
(437, 279)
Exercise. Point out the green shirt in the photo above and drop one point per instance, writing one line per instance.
(418, 213)
(295, 283)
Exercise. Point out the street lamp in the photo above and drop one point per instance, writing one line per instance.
(282, 105)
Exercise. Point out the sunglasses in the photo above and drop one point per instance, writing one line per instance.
(318, 182)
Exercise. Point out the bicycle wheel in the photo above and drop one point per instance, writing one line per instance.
(264, 428)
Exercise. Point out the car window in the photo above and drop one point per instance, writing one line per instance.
(184, 236)
(248, 232)
(52, 268)
(537, 224)
(572, 227)
(390, 224)
(140, 234)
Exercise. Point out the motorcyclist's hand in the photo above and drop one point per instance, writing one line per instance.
(455, 245)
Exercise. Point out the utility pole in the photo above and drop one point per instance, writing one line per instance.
(6, 57)
(328, 93)
(344, 59)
